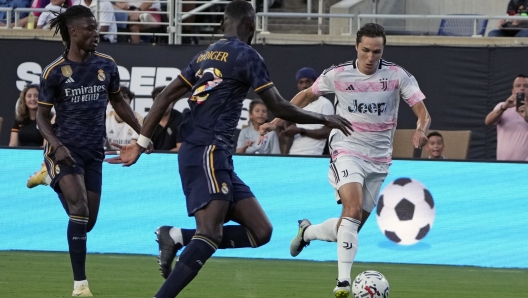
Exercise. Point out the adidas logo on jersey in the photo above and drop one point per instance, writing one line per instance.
(69, 80)
(350, 88)
(373, 108)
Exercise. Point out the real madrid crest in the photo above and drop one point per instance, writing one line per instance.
(225, 189)
(57, 170)
(101, 75)
(66, 71)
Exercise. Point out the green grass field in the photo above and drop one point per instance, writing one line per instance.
(42, 274)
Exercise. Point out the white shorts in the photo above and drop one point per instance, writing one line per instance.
(347, 169)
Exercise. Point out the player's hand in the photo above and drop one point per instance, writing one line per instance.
(63, 156)
(128, 155)
(291, 130)
(264, 129)
(419, 139)
(336, 121)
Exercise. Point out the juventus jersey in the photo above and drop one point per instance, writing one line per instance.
(370, 103)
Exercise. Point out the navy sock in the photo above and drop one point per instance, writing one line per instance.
(193, 257)
(233, 237)
(187, 235)
(236, 237)
(77, 245)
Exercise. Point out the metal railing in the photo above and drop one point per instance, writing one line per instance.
(8, 11)
(176, 18)
(264, 15)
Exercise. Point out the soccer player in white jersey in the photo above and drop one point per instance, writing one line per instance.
(368, 91)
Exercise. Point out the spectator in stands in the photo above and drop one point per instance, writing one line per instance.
(117, 131)
(309, 139)
(106, 18)
(513, 28)
(512, 123)
(39, 4)
(166, 136)
(13, 4)
(248, 139)
(25, 131)
(45, 17)
(435, 145)
(136, 14)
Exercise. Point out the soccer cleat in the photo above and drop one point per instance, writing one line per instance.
(167, 250)
(82, 291)
(342, 290)
(298, 242)
(39, 178)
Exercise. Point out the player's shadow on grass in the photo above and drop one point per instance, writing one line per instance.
(387, 244)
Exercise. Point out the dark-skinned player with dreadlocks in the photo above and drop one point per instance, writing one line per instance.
(78, 84)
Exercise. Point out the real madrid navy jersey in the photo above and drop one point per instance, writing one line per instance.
(219, 79)
(79, 93)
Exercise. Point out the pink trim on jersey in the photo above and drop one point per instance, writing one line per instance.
(344, 152)
(415, 98)
(394, 67)
(366, 86)
(371, 127)
(339, 69)
(315, 87)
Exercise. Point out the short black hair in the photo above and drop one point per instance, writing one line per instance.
(521, 76)
(157, 91)
(238, 9)
(65, 19)
(371, 30)
(128, 92)
(435, 134)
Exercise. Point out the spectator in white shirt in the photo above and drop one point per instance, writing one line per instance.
(308, 139)
(45, 17)
(105, 18)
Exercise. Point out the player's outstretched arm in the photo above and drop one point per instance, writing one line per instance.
(124, 111)
(284, 109)
(424, 121)
(130, 154)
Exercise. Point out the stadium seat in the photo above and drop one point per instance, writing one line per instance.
(462, 27)
(456, 144)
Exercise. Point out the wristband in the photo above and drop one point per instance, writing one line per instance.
(302, 131)
(143, 141)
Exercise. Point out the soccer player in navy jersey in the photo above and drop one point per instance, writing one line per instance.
(219, 79)
(79, 84)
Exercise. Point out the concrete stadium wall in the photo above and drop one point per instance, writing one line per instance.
(417, 7)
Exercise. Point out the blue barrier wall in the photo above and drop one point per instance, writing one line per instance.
(481, 209)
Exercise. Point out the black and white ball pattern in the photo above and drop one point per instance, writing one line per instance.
(405, 211)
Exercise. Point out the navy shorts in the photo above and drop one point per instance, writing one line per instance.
(88, 162)
(207, 174)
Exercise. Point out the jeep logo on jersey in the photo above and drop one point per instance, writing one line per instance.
(373, 108)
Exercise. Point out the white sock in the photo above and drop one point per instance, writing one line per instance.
(347, 246)
(77, 283)
(326, 231)
(176, 235)
(47, 180)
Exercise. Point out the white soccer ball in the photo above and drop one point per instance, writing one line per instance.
(370, 284)
(405, 211)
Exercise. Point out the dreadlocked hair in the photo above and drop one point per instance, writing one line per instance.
(63, 20)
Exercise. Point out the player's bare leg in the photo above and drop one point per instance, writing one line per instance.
(351, 195)
(209, 230)
(74, 191)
